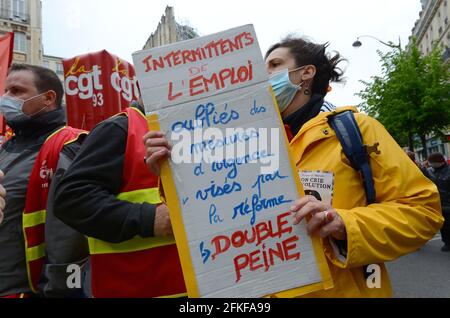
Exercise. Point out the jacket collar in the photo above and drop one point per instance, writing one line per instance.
(39, 127)
(319, 128)
(320, 119)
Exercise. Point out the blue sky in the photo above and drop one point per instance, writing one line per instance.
(72, 27)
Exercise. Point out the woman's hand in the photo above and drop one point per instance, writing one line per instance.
(324, 219)
(157, 148)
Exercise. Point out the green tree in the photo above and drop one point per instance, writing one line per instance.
(411, 97)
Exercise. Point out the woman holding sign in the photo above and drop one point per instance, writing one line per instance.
(362, 224)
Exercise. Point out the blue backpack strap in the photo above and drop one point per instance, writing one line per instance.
(349, 135)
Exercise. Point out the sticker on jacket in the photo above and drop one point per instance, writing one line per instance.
(318, 184)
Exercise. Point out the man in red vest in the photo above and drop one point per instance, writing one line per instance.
(109, 195)
(34, 257)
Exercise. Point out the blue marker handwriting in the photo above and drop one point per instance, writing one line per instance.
(217, 191)
(205, 252)
(206, 116)
(233, 163)
(214, 217)
(214, 143)
(267, 178)
(255, 110)
(258, 204)
(198, 170)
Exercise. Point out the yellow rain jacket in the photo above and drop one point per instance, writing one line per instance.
(406, 216)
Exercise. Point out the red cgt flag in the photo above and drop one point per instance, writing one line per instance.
(97, 85)
(6, 49)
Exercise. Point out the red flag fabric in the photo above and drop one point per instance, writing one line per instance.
(6, 49)
(98, 85)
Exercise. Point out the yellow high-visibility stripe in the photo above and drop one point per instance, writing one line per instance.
(35, 253)
(174, 296)
(33, 219)
(137, 243)
(134, 245)
(140, 196)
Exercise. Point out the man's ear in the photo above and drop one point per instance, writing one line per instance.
(309, 72)
(50, 99)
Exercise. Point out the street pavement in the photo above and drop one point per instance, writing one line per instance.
(423, 274)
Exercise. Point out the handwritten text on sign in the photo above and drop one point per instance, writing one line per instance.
(230, 165)
(189, 70)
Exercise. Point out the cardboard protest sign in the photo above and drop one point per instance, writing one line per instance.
(98, 86)
(230, 181)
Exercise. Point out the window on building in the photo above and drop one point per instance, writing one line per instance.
(20, 42)
(59, 69)
(433, 149)
(46, 64)
(19, 9)
(440, 30)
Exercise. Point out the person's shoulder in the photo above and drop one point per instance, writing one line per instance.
(372, 130)
(367, 121)
(361, 118)
(447, 169)
(115, 122)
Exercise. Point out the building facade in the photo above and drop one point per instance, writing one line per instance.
(433, 28)
(24, 18)
(55, 64)
(169, 31)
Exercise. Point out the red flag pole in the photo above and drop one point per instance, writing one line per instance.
(6, 56)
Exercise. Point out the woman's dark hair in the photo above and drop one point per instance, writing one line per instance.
(44, 79)
(436, 157)
(308, 53)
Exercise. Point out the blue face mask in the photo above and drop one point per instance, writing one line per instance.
(283, 88)
(11, 108)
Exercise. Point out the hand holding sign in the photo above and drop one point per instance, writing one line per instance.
(157, 148)
(323, 219)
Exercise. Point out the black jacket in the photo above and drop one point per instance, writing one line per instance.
(17, 158)
(441, 177)
(86, 197)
